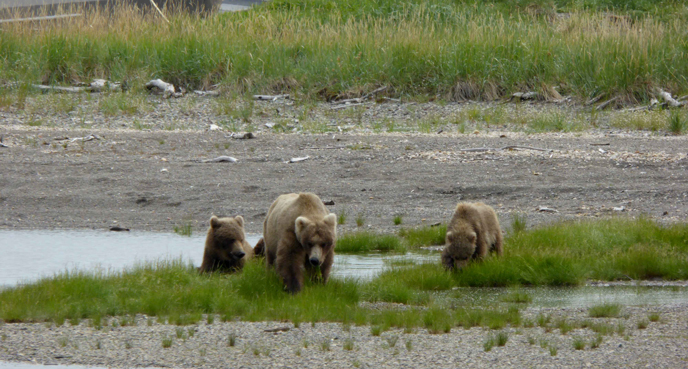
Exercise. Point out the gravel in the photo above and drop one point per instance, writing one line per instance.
(662, 344)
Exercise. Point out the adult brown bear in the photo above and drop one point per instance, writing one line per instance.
(472, 232)
(299, 236)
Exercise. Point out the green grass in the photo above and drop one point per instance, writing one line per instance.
(579, 343)
(361, 242)
(397, 220)
(678, 123)
(517, 297)
(326, 49)
(183, 230)
(605, 311)
(559, 254)
(423, 236)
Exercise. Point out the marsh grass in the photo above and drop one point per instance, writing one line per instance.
(502, 338)
(341, 218)
(361, 242)
(553, 350)
(489, 343)
(605, 311)
(518, 297)
(653, 317)
(185, 229)
(423, 236)
(167, 342)
(559, 254)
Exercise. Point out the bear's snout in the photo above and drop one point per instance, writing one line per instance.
(238, 254)
(314, 261)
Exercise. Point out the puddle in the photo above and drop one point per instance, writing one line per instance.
(52, 252)
(581, 297)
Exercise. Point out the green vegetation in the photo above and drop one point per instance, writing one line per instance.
(326, 50)
(517, 297)
(184, 230)
(368, 241)
(424, 236)
(174, 292)
(360, 220)
(397, 220)
(579, 343)
(654, 317)
(605, 311)
(642, 324)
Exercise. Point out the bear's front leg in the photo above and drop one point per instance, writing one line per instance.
(447, 260)
(289, 265)
(326, 266)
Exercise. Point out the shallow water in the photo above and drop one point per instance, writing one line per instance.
(50, 252)
(30, 255)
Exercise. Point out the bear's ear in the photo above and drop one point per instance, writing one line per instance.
(471, 237)
(449, 236)
(331, 220)
(214, 222)
(300, 224)
(239, 219)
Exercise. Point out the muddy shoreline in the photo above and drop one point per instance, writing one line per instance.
(153, 181)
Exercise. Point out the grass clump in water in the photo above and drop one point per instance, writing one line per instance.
(360, 242)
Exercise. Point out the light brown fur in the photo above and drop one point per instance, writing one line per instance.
(299, 235)
(226, 248)
(472, 232)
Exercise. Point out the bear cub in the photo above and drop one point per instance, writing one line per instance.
(226, 248)
(472, 232)
(299, 236)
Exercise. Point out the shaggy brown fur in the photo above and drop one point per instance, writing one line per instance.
(226, 248)
(472, 232)
(299, 235)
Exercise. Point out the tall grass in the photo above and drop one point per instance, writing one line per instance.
(325, 49)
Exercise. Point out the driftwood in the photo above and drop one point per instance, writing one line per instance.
(280, 329)
(207, 93)
(606, 103)
(669, 100)
(241, 136)
(358, 100)
(510, 147)
(159, 86)
(328, 202)
(525, 95)
(3, 145)
(270, 97)
(296, 160)
(119, 229)
(653, 103)
(98, 85)
(600, 144)
(338, 107)
(547, 210)
(221, 159)
(593, 100)
(90, 137)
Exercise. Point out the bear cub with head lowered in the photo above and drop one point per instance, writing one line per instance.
(472, 232)
(226, 248)
(299, 236)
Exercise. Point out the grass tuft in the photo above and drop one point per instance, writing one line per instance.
(359, 242)
(423, 236)
(605, 311)
(579, 343)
